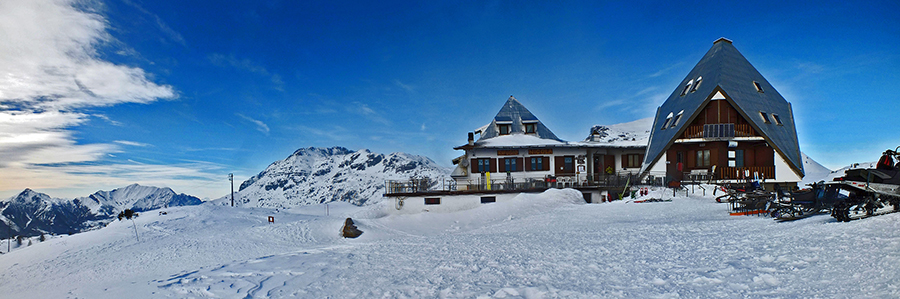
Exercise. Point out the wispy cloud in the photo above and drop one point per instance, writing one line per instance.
(168, 31)
(260, 126)
(406, 87)
(246, 65)
(131, 143)
(665, 70)
(364, 110)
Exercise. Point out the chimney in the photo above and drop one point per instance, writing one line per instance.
(471, 138)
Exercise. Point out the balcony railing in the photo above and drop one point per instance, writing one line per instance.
(619, 180)
(719, 131)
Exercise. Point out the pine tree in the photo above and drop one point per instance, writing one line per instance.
(43, 237)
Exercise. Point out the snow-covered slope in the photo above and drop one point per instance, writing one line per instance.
(814, 171)
(31, 213)
(319, 175)
(548, 245)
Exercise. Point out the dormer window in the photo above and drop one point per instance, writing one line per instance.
(504, 129)
(697, 84)
(529, 129)
(668, 120)
(777, 119)
(758, 87)
(765, 117)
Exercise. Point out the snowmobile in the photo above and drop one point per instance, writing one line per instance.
(870, 189)
(817, 199)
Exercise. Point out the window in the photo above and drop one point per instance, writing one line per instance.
(504, 129)
(687, 87)
(765, 117)
(633, 161)
(677, 118)
(509, 165)
(697, 85)
(758, 87)
(488, 199)
(777, 119)
(703, 158)
(529, 128)
(432, 200)
(666, 123)
(569, 164)
(739, 158)
(537, 163)
(484, 165)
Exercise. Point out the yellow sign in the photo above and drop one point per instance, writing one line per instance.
(487, 177)
(507, 152)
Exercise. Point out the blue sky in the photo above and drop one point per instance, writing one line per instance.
(101, 94)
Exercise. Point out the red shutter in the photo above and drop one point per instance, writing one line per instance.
(624, 161)
(474, 166)
(546, 163)
(520, 164)
(493, 165)
(527, 165)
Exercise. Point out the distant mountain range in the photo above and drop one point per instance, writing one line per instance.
(31, 213)
(320, 175)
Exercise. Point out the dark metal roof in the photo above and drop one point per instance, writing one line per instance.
(514, 113)
(724, 69)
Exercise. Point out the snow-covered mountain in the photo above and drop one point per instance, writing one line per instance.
(634, 133)
(31, 213)
(136, 197)
(320, 175)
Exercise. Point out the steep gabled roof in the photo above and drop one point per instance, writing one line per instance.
(723, 69)
(516, 115)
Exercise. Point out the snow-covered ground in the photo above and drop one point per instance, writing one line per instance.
(536, 246)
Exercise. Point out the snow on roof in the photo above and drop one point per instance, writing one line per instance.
(517, 140)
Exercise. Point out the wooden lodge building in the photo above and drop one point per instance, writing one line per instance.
(725, 122)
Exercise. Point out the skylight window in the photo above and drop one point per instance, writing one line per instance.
(765, 117)
(687, 87)
(677, 118)
(696, 85)
(777, 119)
(668, 120)
(758, 87)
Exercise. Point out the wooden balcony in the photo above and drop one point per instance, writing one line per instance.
(735, 173)
(740, 130)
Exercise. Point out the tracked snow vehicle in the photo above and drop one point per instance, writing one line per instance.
(870, 189)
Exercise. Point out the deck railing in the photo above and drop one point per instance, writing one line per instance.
(424, 185)
(704, 131)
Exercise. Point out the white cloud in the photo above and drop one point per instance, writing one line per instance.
(50, 70)
(260, 126)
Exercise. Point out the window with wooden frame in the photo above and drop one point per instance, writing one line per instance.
(432, 200)
(510, 165)
(703, 158)
(529, 128)
(632, 160)
(538, 163)
(484, 165)
(504, 129)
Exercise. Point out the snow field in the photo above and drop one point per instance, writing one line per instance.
(549, 245)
